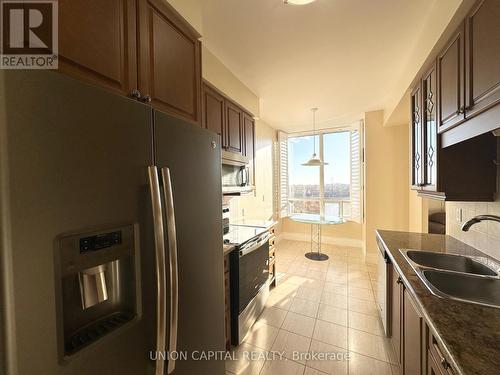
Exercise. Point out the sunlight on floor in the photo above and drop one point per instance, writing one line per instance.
(318, 309)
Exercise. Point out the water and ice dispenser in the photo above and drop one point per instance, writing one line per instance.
(97, 277)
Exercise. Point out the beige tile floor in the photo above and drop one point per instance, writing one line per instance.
(318, 307)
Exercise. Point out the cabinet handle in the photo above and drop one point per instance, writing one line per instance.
(146, 99)
(461, 111)
(444, 363)
(136, 94)
(399, 280)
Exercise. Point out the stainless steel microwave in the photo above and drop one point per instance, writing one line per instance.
(235, 174)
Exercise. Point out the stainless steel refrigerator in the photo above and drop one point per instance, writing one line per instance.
(111, 233)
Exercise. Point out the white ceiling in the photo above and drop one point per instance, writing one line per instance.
(343, 56)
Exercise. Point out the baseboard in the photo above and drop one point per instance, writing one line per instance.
(305, 237)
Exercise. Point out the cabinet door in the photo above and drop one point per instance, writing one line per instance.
(249, 126)
(429, 131)
(169, 60)
(412, 337)
(432, 367)
(213, 110)
(483, 57)
(450, 65)
(396, 290)
(97, 42)
(249, 142)
(234, 125)
(417, 141)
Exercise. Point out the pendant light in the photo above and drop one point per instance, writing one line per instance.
(314, 161)
(298, 2)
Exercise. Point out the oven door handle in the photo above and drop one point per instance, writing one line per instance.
(252, 246)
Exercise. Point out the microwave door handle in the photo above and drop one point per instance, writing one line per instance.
(246, 177)
(240, 180)
(173, 265)
(161, 316)
(247, 182)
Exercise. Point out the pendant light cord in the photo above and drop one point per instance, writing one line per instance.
(314, 129)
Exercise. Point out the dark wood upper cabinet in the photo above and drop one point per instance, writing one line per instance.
(429, 130)
(97, 42)
(213, 110)
(234, 128)
(450, 75)
(482, 57)
(454, 108)
(169, 60)
(249, 126)
(413, 342)
(417, 141)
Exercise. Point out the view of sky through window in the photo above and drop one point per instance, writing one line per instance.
(304, 182)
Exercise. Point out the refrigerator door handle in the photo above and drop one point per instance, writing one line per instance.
(161, 279)
(174, 269)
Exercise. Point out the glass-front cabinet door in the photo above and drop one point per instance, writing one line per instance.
(417, 139)
(430, 136)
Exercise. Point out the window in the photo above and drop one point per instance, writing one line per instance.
(333, 189)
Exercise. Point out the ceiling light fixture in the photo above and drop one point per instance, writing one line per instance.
(298, 2)
(314, 161)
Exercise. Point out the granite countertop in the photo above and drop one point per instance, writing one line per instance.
(227, 249)
(469, 333)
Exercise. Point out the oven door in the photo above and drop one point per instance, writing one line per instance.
(253, 269)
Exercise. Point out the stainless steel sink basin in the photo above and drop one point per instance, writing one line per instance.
(463, 287)
(450, 262)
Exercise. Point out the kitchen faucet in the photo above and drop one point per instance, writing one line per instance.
(476, 219)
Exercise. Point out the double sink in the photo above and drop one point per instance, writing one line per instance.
(457, 277)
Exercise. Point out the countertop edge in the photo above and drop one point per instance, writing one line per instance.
(227, 249)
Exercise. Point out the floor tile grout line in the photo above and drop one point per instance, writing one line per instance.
(348, 310)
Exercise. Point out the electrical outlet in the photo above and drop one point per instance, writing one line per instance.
(458, 215)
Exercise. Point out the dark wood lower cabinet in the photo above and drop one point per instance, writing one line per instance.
(412, 337)
(396, 314)
(416, 348)
(432, 367)
(436, 361)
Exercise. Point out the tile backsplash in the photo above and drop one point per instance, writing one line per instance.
(484, 236)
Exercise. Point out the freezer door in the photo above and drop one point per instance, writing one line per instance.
(192, 156)
(74, 158)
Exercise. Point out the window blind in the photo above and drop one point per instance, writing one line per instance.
(356, 151)
(284, 207)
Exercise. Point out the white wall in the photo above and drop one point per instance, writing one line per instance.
(386, 177)
(191, 10)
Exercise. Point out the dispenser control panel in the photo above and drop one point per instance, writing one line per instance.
(100, 241)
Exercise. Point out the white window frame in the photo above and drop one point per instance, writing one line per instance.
(286, 202)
